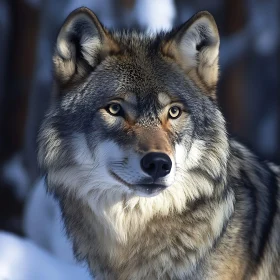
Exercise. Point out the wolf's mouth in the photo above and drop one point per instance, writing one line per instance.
(149, 189)
(145, 189)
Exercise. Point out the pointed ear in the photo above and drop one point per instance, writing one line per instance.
(81, 43)
(195, 46)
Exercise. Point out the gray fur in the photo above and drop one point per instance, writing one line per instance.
(218, 217)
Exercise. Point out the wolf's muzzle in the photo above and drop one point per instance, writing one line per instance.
(156, 165)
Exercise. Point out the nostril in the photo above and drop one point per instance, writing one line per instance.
(166, 167)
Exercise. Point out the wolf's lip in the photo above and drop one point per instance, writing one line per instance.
(149, 189)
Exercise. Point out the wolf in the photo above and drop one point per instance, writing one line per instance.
(136, 151)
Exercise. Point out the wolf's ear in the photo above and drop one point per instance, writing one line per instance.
(81, 43)
(195, 46)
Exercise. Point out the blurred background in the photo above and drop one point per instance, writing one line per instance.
(249, 95)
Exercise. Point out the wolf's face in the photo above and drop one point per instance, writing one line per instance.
(137, 126)
(135, 115)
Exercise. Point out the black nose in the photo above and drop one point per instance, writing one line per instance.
(156, 165)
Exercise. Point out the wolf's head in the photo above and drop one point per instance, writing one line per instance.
(135, 115)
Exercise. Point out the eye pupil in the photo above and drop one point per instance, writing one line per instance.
(174, 112)
(114, 109)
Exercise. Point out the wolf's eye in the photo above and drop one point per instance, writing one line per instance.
(115, 109)
(174, 112)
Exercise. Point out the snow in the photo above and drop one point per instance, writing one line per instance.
(46, 253)
(155, 15)
(14, 173)
(42, 223)
(42, 218)
(20, 259)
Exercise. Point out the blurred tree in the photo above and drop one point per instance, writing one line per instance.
(18, 71)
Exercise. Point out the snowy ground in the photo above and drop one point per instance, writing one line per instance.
(21, 259)
(46, 253)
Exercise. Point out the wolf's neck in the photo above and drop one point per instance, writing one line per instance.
(110, 231)
(122, 217)
(123, 232)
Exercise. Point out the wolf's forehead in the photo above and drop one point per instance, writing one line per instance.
(142, 84)
(135, 99)
(130, 98)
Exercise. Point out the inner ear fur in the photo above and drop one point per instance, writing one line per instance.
(195, 47)
(81, 43)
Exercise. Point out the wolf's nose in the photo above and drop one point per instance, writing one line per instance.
(156, 165)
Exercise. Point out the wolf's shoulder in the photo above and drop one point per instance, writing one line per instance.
(251, 172)
(248, 160)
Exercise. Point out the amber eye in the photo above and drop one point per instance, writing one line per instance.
(115, 109)
(174, 112)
